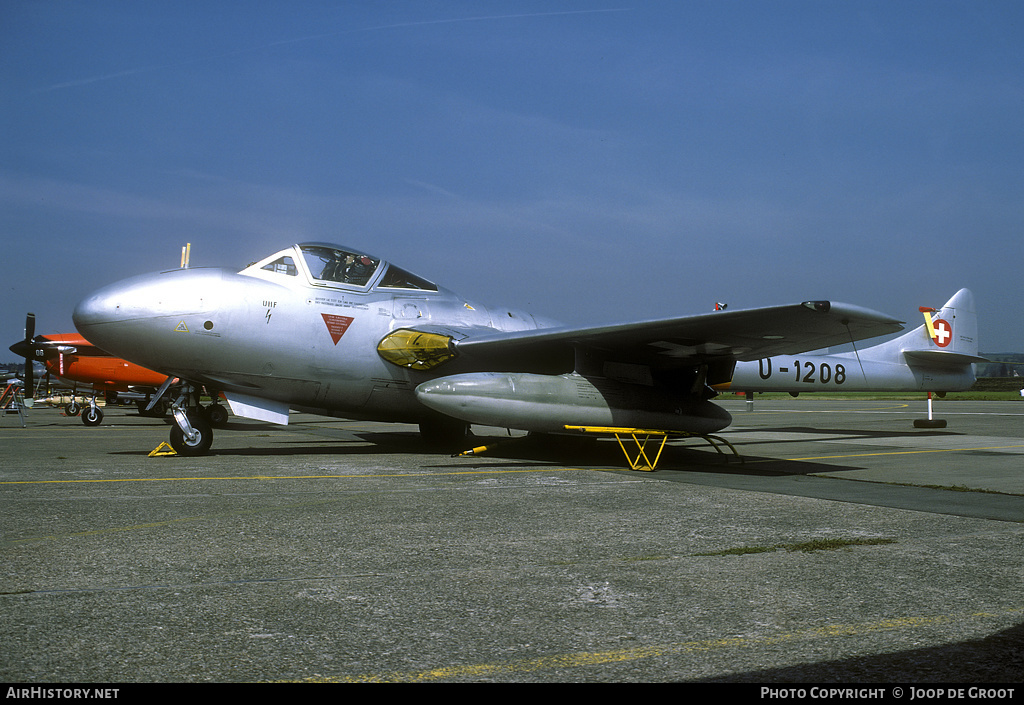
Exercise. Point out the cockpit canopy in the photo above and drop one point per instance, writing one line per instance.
(330, 264)
(325, 264)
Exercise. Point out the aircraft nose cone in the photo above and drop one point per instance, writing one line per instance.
(21, 349)
(136, 318)
(112, 315)
(98, 308)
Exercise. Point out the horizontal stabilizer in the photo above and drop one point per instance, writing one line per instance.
(938, 357)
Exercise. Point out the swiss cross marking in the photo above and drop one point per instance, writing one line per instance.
(943, 333)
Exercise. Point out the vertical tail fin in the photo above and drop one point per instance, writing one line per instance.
(948, 336)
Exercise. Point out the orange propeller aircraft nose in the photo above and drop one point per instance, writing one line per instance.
(78, 360)
(71, 357)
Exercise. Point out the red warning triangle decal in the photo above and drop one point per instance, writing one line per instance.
(336, 325)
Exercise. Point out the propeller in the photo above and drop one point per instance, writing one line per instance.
(42, 348)
(27, 349)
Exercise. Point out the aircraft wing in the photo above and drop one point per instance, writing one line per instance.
(745, 334)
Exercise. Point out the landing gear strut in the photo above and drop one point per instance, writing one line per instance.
(192, 433)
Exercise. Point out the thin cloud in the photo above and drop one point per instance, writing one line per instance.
(312, 37)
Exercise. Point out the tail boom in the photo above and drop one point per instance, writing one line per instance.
(938, 356)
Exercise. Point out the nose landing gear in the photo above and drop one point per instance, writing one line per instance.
(192, 433)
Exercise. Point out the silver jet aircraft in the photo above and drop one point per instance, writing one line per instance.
(330, 329)
(938, 356)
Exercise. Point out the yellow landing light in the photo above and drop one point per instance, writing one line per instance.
(415, 349)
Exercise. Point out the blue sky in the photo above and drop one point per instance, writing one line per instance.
(587, 161)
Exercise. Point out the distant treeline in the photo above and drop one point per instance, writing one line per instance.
(1002, 365)
(998, 384)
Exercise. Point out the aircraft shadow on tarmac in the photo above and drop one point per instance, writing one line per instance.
(995, 659)
(691, 455)
(768, 465)
(843, 434)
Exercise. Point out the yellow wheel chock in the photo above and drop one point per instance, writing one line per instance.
(162, 449)
(640, 460)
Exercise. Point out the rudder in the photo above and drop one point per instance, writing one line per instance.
(949, 334)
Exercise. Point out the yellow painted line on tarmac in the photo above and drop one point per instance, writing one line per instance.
(597, 658)
(473, 472)
(288, 477)
(234, 513)
(742, 414)
(893, 452)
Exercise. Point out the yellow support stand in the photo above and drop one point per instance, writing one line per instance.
(641, 437)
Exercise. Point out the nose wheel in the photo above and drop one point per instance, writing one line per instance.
(191, 434)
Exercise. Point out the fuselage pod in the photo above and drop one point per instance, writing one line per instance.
(549, 403)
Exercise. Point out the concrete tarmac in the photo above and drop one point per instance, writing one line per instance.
(846, 547)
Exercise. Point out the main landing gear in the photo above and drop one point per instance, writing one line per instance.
(444, 433)
(92, 415)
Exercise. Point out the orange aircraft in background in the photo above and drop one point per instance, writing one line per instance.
(71, 357)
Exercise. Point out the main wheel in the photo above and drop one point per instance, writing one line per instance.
(217, 415)
(202, 442)
(445, 434)
(91, 416)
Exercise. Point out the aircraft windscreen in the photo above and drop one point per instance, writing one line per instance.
(333, 265)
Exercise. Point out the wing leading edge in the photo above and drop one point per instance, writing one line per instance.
(737, 335)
